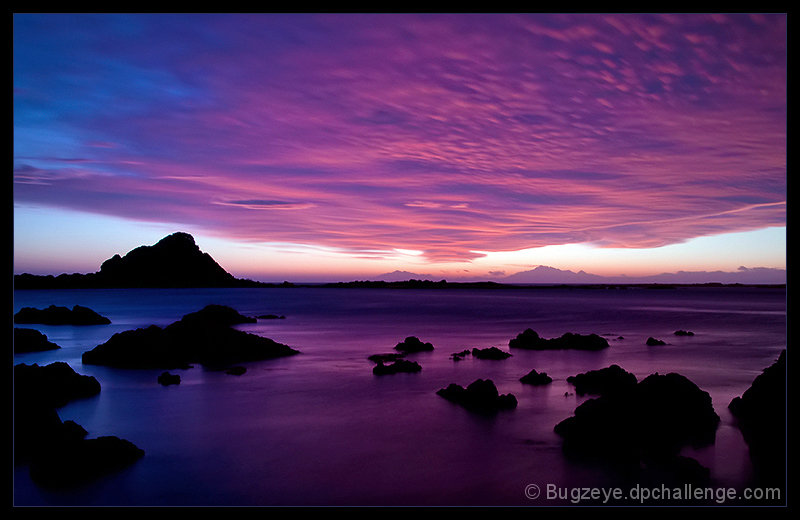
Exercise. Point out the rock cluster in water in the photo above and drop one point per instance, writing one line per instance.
(479, 396)
(401, 365)
(57, 453)
(603, 381)
(31, 340)
(529, 339)
(56, 315)
(536, 378)
(490, 353)
(413, 344)
(204, 337)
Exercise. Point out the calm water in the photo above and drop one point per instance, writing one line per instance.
(320, 429)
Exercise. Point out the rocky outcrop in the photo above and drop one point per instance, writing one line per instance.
(684, 333)
(603, 381)
(653, 342)
(57, 453)
(204, 337)
(31, 340)
(650, 421)
(55, 315)
(413, 344)
(490, 353)
(761, 416)
(536, 378)
(401, 365)
(529, 339)
(166, 379)
(480, 396)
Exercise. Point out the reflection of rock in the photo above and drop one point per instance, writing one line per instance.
(401, 365)
(684, 333)
(479, 396)
(603, 381)
(761, 416)
(529, 339)
(536, 378)
(489, 353)
(204, 337)
(166, 379)
(413, 344)
(55, 315)
(31, 340)
(57, 452)
(386, 357)
(653, 342)
(650, 421)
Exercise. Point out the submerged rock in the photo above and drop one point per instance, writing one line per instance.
(204, 337)
(166, 379)
(479, 396)
(761, 416)
(401, 365)
(652, 420)
(413, 344)
(603, 381)
(653, 342)
(536, 378)
(55, 315)
(31, 340)
(489, 353)
(529, 339)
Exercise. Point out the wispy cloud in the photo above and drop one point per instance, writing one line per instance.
(446, 134)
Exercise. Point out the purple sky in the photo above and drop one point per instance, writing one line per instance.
(444, 136)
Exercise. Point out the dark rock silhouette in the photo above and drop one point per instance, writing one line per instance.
(55, 315)
(413, 344)
(536, 378)
(166, 379)
(684, 333)
(401, 365)
(653, 342)
(57, 453)
(489, 353)
(761, 416)
(174, 261)
(31, 340)
(203, 337)
(479, 396)
(529, 339)
(271, 317)
(651, 421)
(603, 381)
(459, 356)
(386, 357)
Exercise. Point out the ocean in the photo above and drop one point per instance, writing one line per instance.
(320, 429)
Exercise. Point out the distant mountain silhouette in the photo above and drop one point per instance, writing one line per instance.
(402, 276)
(175, 261)
(744, 275)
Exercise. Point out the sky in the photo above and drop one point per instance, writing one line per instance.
(323, 147)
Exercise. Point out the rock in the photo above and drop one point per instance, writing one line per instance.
(401, 365)
(459, 356)
(31, 340)
(55, 315)
(413, 344)
(684, 333)
(52, 385)
(271, 317)
(490, 353)
(536, 378)
(653, 342)
(203, 337)
(479, 396)
(236, 371)
(166, 379)
(386, 357)
(760, 413)
(603, 381)
(653, 420)
(529, 339)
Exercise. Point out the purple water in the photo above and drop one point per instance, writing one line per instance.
(320, 429)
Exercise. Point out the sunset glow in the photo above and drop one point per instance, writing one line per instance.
(343, 146)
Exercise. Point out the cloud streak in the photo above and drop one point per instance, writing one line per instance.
(446, 134)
